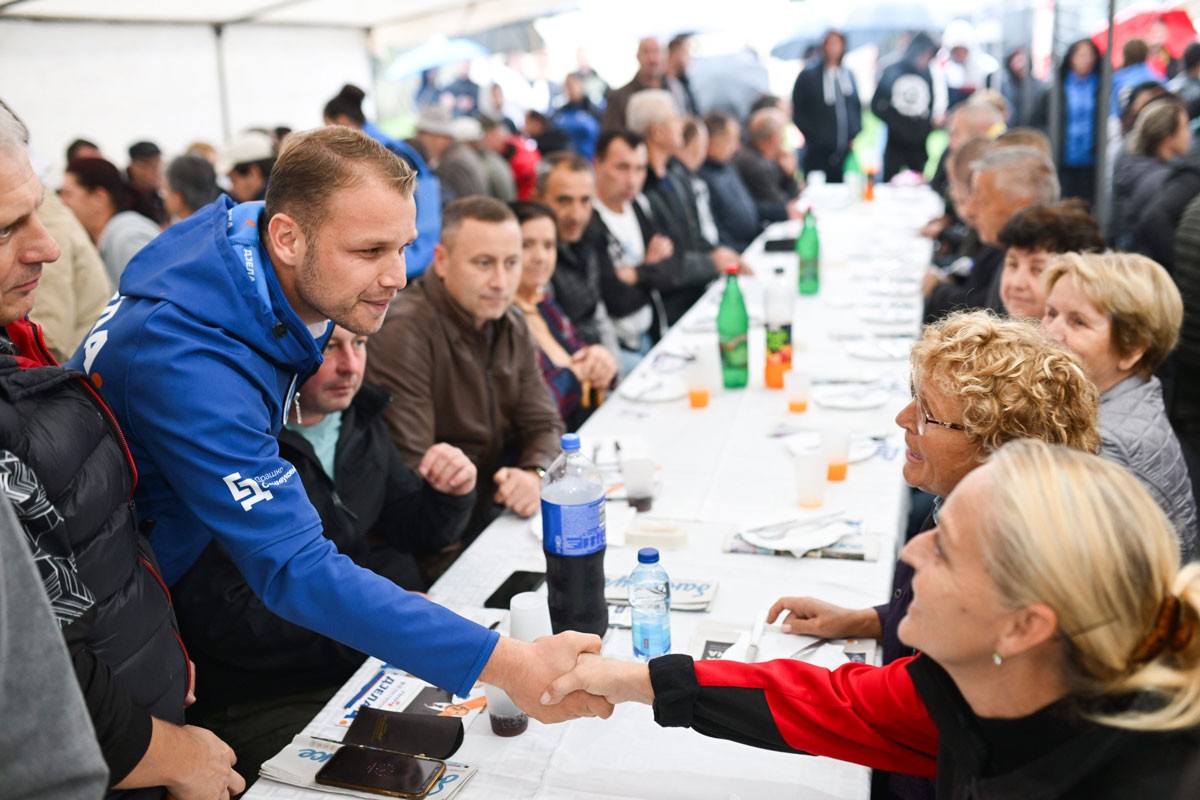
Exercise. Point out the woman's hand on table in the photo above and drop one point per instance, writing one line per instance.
(813, 617)
(595, 365)
(616, 681)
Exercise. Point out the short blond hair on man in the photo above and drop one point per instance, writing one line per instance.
(1014, 381)
(1138, 295)
(314, 165)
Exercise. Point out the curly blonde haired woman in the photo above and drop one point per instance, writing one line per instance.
(1059, 650)
(978, 381)
(1121, 313)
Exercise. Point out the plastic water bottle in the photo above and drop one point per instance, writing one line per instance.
(733, 328)
(573, 537)
(650, 598)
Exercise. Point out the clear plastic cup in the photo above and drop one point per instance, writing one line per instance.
(836, 447)
(529, 616)
(810, 478)
(797, 386)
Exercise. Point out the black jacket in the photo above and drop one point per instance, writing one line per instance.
(622, 299)
(903, 99)
(125, 648)
(771, 189)
(979, 289)
(670, 201)
(576, 287)
(244, 652)
(1153, 234)
(734, 210)
(1052, 754)
(1187, 279)
(818, 120)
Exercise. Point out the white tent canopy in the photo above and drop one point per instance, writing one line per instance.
(117, 71)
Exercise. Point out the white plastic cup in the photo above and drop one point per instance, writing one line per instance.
(638, 475)
(529, 616)
(836, 447)
(506, 719)
(797, 387)
(810, 478)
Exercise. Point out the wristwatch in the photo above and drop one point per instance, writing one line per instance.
(541, 473)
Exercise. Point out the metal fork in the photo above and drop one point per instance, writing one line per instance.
(808, 650)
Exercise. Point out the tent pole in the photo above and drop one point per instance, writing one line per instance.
(1103, 189)
(222, 83)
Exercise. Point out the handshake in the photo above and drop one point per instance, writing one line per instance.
(562, 677)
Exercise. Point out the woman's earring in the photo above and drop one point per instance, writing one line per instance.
(997, 659)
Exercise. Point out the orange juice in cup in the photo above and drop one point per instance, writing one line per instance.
(797, 385)
(698, 396)
(836, 446)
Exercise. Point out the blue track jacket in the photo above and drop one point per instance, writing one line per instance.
(199, 356)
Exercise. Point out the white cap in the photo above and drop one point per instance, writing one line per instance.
(244, 149)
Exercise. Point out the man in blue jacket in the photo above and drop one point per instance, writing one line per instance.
(216, 324)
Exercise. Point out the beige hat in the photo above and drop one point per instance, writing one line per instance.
(435, 120)
(245, 148)
(467, 129)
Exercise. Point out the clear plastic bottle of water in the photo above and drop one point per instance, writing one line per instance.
(574, 540)
(650, 597)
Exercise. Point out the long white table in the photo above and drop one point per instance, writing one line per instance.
(719, 469)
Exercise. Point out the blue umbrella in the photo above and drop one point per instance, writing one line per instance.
(434, 53)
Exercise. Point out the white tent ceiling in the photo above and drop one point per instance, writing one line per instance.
(395, 23)
(174, 71)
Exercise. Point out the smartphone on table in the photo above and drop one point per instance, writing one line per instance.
(514, 584)
(366, 769)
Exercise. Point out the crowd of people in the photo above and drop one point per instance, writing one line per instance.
(335, 357)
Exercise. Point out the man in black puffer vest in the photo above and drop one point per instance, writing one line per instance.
(101, 576)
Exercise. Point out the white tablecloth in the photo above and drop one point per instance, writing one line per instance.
(719, 469)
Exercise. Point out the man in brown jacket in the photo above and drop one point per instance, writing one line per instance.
(460, 363)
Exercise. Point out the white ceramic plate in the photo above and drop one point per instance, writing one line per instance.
(880, 349)
(801, 540)
(861, 447)
(650, 388)
(845, 398)
(889, 315)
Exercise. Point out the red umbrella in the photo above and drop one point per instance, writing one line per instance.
(1140, 24)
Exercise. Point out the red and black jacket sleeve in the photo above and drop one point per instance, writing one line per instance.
(858, 713)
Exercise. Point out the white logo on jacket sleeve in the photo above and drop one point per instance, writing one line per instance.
(246, 489)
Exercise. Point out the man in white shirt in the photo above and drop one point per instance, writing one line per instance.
(639, 260)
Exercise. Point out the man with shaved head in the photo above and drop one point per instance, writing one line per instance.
(461, 365)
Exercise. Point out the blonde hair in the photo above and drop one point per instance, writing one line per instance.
(1158, 121)
(1084, 537)
(1013, 380)
(1137, 294)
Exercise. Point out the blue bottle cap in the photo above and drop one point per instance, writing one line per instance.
(570, 441)
(648, 555)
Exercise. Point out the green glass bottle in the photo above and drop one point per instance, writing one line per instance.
(733, 329)
(808, 249)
